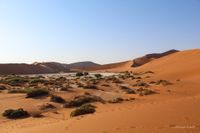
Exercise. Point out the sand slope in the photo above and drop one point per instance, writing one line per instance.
(174, 111)
(182, 65)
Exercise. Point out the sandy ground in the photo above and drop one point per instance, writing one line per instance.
(175, 109)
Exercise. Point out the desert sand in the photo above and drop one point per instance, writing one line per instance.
(174, 108)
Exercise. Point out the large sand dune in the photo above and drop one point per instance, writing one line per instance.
(175, 109)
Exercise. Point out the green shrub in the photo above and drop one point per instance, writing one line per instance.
(83, 110)
(37, 92)
(81, 100)
(117, 100)
(85, 73)
(98, 76)
(57, 99)
(90, 86)
(79, 74)
(127, 90)
(18, 91)
(2, 87)
(163, 82)
(15, 80)
(34, 81)
(143, 92)
(47, 106)
(141, 84)
(15, 114)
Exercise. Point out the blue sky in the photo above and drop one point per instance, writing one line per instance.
(102, 31)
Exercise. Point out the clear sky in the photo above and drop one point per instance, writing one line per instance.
(102, 31)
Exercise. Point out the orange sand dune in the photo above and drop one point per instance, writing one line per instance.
(175, 109)
(184, 64)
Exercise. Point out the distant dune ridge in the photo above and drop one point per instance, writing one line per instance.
(149, 57)
(154, 61)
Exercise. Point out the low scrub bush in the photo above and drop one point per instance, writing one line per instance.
(37, 93)
(15, 113)
(83, 110)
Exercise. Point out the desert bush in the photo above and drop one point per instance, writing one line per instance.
(163, 82)
(90, 86)
(35, 80)
(47, 106)
(116, 100)
(149, 72)
(2, 87)
(106, 85)
(79, 74)
(85, 73)
(18, 90)
(141, 84)
(98, 76)
(143, 92)
(83, 110)
(152, 82)
(15, 113)
(57, 99)
(84, 99)
(14, 80)
(127, 90)
(36, 93)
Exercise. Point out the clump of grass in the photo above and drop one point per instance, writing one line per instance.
(37, 93)
(47, 106)
(81, 100)
(18, 90)
(85, 73)
(127, 90)
(14, 80)
(15, 113)
(141, 84)
(90, 86)
(149, 72)
(57, 99)
(113, 79)
(163, 82)
(152, 82)
(106, 85)
(83, 110)
(36, 80)
(2, 87)
(116, 100)
(144, 92)
(79, 74)
(98, 76)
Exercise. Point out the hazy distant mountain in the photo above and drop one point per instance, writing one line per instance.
(55, 67)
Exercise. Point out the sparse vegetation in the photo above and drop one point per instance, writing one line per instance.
(83, 110)
(116, 100)
(37, 93)
(144, 92)
(14, 80)
(79, 74)
(57, 99)
(98, 76)
(15, 113)
(18, 90)
(163, 82)
(89, 86)
(80, 100)
(127, 90)
(85, 73)
(47, 106)
(2, 87)
(141, 84)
